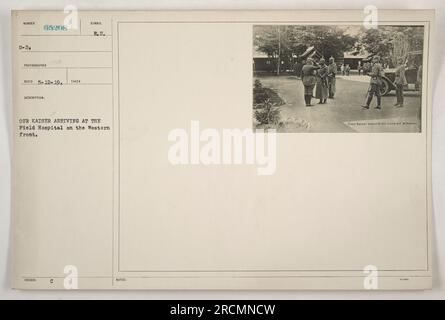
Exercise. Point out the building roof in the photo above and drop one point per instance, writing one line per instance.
(259, 54)
(354, 56)
(362, 54)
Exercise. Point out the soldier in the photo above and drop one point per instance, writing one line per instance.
(332, 71)
(419, 78)
(309, 80)
(375, 83)
(347, 69)
(400, 82)
(321, 89)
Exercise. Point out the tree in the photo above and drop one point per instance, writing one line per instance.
(275, 42)
(377, 41)
(392, 42)
(284, 42)
(328, 41)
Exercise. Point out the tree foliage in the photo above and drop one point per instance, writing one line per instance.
(392, 42)
(285, 42)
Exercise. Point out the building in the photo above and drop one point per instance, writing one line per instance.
(353, 59)
(263, 63)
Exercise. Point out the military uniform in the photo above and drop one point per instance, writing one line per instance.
(400, 82)
(309, 79)
(375, 85)
(332, 71)
(321, 89)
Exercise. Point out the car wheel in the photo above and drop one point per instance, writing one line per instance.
(384, 88)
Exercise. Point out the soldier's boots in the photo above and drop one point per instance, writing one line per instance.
(379, 102)
(368, 102)
(307, 99)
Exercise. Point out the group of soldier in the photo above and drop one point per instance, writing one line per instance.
(321, 76)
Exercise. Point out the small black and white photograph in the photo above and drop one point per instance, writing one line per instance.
(337, 78)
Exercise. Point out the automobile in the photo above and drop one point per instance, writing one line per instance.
(413, 61)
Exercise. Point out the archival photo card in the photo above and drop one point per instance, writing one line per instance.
(158, 150)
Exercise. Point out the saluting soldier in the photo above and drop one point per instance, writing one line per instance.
(332, 72)
(321, 89)
(309, 79)
(375, 83)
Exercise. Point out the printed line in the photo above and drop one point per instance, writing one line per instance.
(41, 68)
(56, 51)
(64, 35)
(67, 84)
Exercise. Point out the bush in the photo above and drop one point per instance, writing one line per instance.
(267, 113)
(261, 94)
(265, 104)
